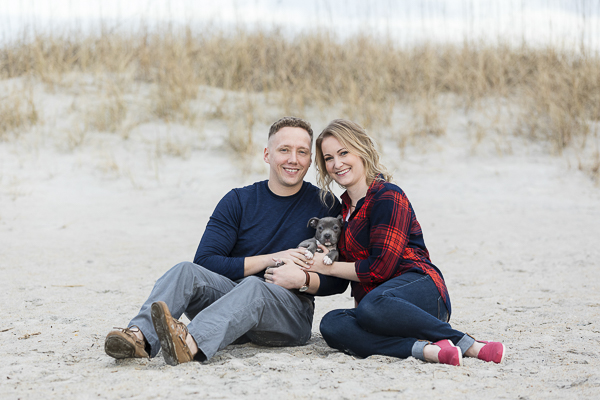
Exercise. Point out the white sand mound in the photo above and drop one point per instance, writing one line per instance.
(85, 233)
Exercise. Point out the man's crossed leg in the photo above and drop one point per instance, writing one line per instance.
(220, 310)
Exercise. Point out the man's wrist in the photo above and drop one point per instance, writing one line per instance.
(255, 264)
(306, 285)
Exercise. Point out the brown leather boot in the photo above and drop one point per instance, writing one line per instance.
(124, 344)
(171, 334)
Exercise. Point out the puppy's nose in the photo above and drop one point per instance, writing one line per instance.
(327, 235)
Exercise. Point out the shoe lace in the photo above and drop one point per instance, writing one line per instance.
(131, 333)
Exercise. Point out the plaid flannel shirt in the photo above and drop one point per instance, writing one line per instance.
(384, 240)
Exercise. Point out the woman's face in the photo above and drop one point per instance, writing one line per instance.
(344, 167)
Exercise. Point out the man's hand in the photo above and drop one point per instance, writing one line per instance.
(297, 256)
(254, 265)
(288, 275)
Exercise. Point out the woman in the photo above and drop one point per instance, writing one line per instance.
(402, 304)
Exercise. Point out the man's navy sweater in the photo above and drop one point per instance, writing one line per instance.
(253, 220)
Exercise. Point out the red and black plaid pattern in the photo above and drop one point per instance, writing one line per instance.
(384, 239)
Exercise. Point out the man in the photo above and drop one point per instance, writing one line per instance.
(223, 292)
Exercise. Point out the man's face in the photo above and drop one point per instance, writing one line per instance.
(288, 155)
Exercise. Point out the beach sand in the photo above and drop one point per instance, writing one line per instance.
(85, 232)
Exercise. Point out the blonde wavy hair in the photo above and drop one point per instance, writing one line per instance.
(355, 139)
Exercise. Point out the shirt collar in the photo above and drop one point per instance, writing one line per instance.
(373, 188)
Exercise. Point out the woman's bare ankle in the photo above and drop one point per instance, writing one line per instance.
(473, 351)
(430, 353)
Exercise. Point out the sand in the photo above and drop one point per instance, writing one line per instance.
(86, 231)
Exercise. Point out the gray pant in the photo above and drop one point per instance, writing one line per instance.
(221, 310)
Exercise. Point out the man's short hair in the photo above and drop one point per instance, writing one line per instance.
(293, 122)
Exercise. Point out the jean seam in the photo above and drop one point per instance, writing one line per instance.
(403, 286)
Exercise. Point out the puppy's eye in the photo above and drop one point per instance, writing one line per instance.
(335, 228)
(320, 228)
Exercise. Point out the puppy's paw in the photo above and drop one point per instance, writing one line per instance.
(327, 260)
(308, 255)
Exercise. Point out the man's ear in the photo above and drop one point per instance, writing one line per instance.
(266, 155)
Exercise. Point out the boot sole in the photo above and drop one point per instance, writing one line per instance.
(159, 312)
(119, 348)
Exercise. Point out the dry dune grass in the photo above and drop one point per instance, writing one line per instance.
(17, 111)
(556, 93)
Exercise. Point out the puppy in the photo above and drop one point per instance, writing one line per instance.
(328, 231)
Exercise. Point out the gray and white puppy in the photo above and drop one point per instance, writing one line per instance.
(328, 231)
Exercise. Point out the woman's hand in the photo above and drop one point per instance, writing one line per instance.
(340, 269)
(317, 264)
(288, 275)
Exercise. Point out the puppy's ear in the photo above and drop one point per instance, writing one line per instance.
(341, 219)
(313, 222)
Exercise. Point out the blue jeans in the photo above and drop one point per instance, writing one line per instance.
(397, 319)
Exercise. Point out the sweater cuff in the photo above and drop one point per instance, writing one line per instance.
(329, 285)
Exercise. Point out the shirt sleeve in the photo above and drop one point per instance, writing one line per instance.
(330, 285)
(219, 239)
(390, 220)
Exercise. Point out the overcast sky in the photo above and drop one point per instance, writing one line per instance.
(561, 22)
